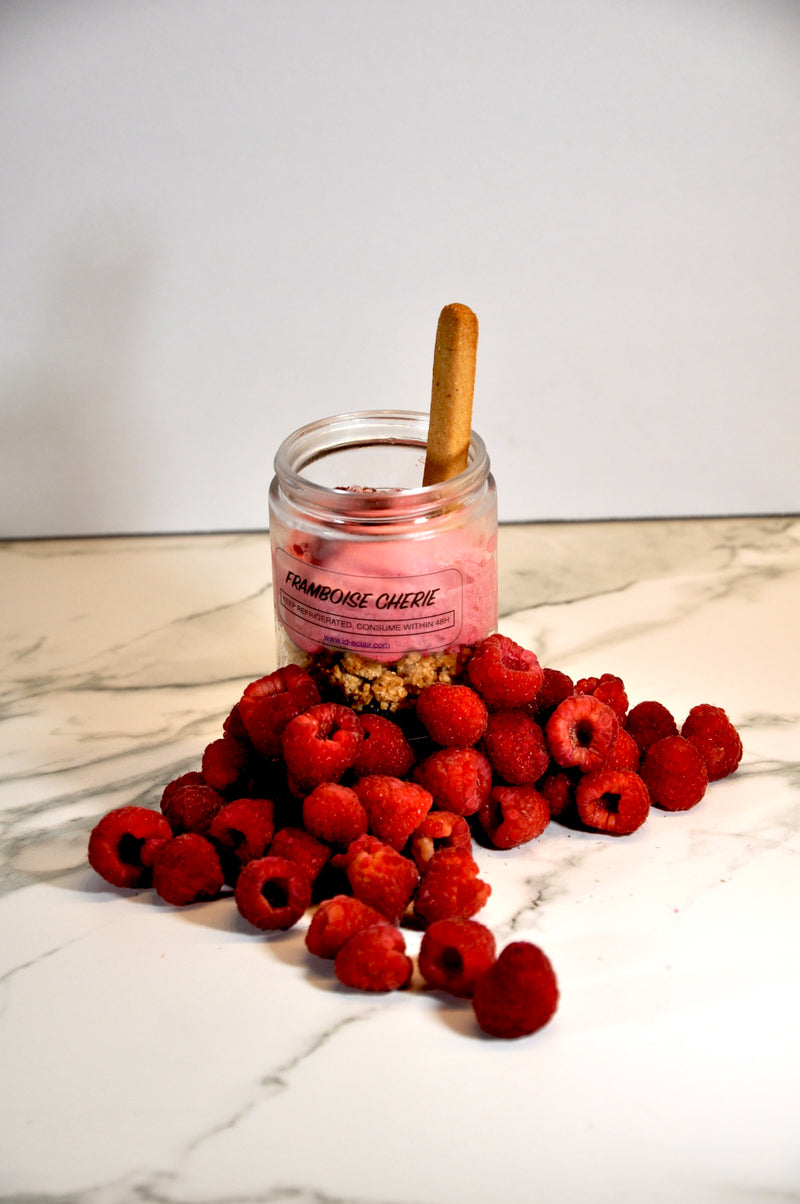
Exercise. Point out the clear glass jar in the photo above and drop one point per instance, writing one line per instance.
(381, 585)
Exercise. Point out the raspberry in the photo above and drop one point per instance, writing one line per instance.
(518, 994)
(224, 762)
(299, 846)
(558, 787)
(581, 732)
(454, 953)
(233, 726)
(395, 808)
(272, 893)
(320, 744)
(452, 715)
(380, 876)
(624, 752)
(613, 800)
(609, 689)
(268, 704)
(194, 778)
(513, 815)
(187, 869)
(674, 773)
(648, 722)
(335, 921)
(710, 730)
(439, 830)
(384, 748)
(334, 813)
(555, 687)
(374, 959)
(514, 744)
(458, 778)
(191, 808)
(242, 831)
(123, 844)
(504, 674)
(450, 888)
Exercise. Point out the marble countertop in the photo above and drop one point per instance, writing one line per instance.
(152, 1053)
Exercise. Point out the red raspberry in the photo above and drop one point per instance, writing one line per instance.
(450, 888)
(439, 830)
(518, 994)
(123, 844)
(648, 722)
(233, 726)
(299, 846)
(674, 773)
(613, 800)
(242, 831)
(187, 869)
(581, 732)
(609, 689)
(624, 752)
(320, 744)
(194, 778)
(454, 953)
(380, 876)
(558, 787)
(268, 704)
(458, 778)
(384, 748)
(504, 674)
(374, 959)
(191, 808)
(514, 744)
(272, 893)
(556, 686)
(335, 921)
(710, 730)
(452, 715)
(334, 813)
(395, 808)
(514, 815)
(224, 762)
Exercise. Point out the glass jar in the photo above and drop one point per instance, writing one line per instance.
(381, 585)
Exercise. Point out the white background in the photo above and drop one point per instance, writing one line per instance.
(221, 220)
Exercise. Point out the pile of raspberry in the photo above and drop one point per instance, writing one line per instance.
(368, 823)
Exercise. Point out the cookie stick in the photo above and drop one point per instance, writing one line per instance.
(452, 389)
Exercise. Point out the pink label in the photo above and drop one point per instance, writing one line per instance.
(377, 616)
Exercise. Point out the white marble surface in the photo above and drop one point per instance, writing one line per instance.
(156, 1054)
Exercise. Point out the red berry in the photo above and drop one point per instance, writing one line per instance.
(558, 787)
(299, 846)
(439, 830)
(674, 773)
(384, 748)
(452, 715)
(613, 800)
(624, 752)
(648, 722)
(224, 762)
(335, 921)
(124, 842)
(395, 808)
(450, 888)
(513, 815)
(454, 953)
(710, 730)
(380, 876)
(269, 703)
(555, 687)
(504, 674)
(320, 744)
(458, 778)
(581, 732)
(191, 808)
(187, 869)
(515, 746)
(374, 959)
(334, 813)
(518, 994)
(242, 830)
(272, 893)
(193, 778)
(609, 689)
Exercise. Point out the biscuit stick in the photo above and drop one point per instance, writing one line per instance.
(453, 385)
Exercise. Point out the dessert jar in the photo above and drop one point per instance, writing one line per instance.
(381, 585)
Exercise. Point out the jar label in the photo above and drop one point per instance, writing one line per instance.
(375, 616)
